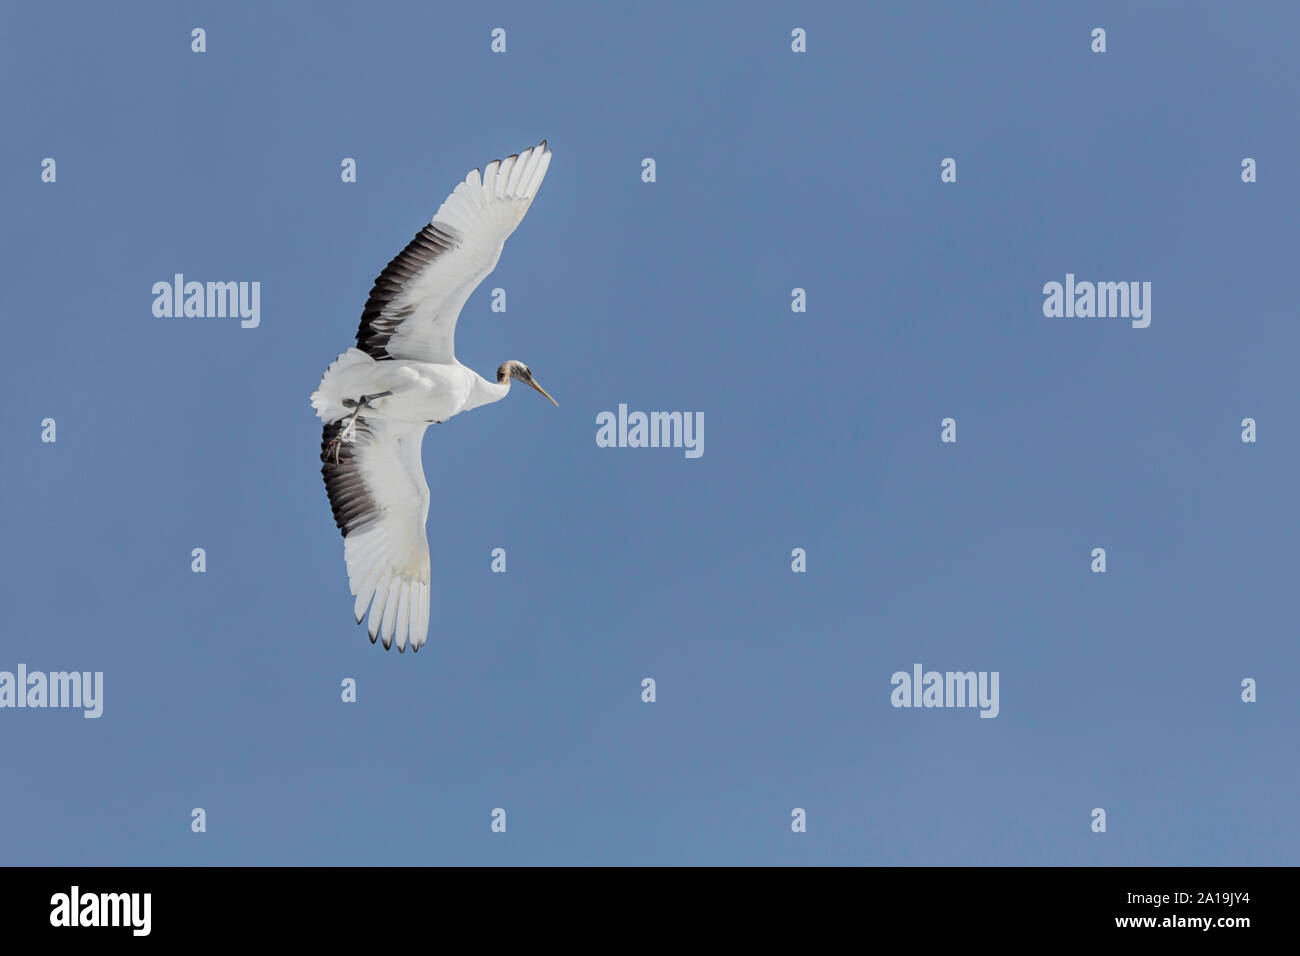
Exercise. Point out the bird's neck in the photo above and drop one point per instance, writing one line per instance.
(483, 392)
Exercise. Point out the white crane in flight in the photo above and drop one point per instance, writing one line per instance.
(377, 399)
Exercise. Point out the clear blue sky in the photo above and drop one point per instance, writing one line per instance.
(775, 170)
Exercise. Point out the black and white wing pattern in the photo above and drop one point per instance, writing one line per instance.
(414, 304)
(380, 502)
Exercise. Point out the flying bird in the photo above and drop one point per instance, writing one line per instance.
(377, 399)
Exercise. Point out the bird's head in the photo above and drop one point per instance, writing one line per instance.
(522, 373)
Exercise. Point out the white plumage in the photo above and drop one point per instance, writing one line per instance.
(378, 398)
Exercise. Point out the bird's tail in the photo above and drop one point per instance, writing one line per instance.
(328, 397)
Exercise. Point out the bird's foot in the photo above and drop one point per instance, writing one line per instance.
(335, 449)
(349, 431)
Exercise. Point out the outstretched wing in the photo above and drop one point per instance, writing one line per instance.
(413, 307)
(380, 502)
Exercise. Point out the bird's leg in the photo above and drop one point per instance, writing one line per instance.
(349, 431)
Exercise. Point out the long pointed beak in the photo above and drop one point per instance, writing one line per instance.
(545, 392)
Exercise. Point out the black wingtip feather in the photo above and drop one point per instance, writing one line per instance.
(349, 497)
(380, 319)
